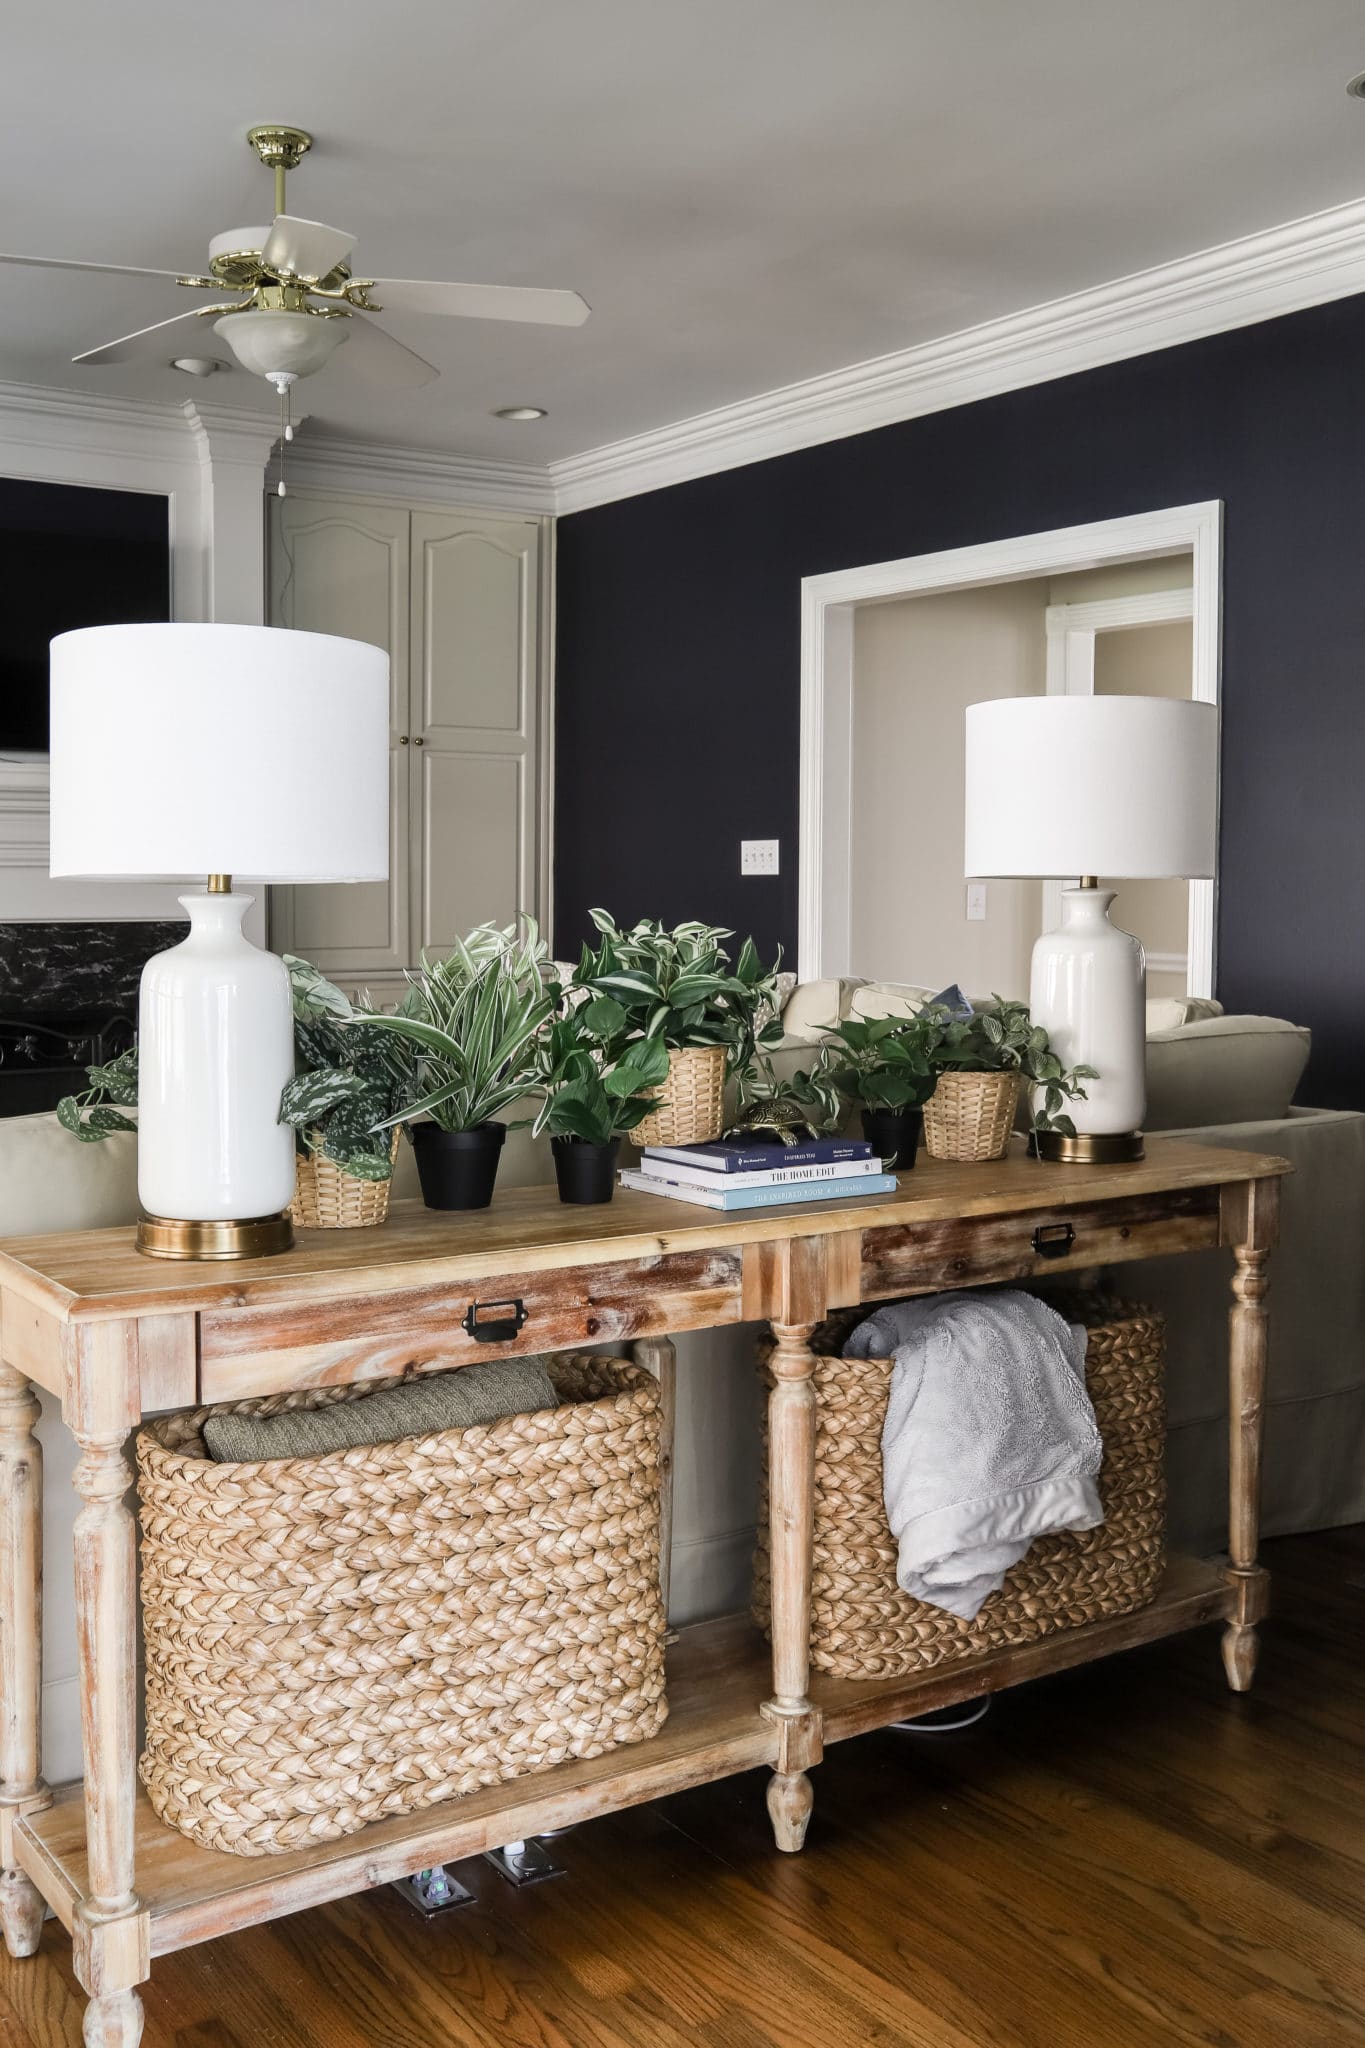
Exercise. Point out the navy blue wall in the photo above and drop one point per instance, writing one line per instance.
(679, 642)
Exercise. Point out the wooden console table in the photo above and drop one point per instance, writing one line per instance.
(116, 1337)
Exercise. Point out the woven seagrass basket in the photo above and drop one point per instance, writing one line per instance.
(691, 1101)
(864, 1626)
(970, 1116)
(331, 1640)
(326, 1197)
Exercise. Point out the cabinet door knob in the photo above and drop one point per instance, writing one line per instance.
(419, 741)
(402, 739)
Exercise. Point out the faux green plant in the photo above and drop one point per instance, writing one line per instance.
(885, 1062)
(680, 986)
(1002, 1037)
(98, 1111)
(349, 1078)
(469, 1026)
(805, 1104)
(597, 1085)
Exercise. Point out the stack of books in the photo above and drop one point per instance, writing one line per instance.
(753, 1175)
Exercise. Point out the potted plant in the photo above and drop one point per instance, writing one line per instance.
(349, 1078)
(885, 1065)
(470, 1023)
(982, 1060)
(598, 1086)
(99, 1110)
(679, 986)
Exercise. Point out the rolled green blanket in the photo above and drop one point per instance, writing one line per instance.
(415, 1407)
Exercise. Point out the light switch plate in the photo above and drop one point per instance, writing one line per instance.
(976, 902)
(758, 856)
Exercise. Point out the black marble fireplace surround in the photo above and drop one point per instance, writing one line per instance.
(68, 997)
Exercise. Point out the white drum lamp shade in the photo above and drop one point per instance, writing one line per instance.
(213, 751)
(1119, 787)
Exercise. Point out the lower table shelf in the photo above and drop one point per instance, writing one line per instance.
(718, 1675)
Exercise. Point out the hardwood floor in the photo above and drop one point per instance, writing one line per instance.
(1124, 1856)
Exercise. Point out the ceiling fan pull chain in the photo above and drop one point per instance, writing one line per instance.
(283, 381)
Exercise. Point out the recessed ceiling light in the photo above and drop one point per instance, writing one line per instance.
(196, 366)
(1356, 86)
(519, 412)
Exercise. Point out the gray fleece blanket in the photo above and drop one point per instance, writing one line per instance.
(989, 1441)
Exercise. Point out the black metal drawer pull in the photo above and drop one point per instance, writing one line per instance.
(497, 1329)
(1053, 1240)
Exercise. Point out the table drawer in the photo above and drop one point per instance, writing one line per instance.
(922, 1258)
(250, 1351)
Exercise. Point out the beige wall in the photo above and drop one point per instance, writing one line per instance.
(918, 664)
(1122, 579)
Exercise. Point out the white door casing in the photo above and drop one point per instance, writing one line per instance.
(828, 603)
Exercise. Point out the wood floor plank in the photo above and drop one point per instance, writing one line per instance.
(1123, 1856)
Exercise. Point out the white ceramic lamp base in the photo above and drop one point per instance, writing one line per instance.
(1089, 992)
(216, 1047)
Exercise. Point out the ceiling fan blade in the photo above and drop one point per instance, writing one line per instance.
(63, 263)
(481, 301)
(138, 346)
(306, 249)
(378, 357)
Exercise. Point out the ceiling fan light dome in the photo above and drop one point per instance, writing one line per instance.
(271, 339)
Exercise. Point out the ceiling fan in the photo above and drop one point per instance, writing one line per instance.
(298, 298)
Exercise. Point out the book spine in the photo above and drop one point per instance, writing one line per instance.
(759, 1158)
(707, 1177)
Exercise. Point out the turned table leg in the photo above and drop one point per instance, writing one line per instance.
(21, 1650)
(791, 1490)
(111, 1933)
(1253, 1235)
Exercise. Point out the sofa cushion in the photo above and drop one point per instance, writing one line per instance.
(876, 999)
(815, 1007)
(52, 1181)
(1168, 1013)
(1224, 1070)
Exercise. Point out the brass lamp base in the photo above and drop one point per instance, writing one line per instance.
(1088, 1148)
(255, 1237)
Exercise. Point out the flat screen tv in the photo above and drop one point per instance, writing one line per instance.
(70, 557)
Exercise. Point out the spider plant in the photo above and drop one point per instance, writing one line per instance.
(469, 1025)
(680, 987)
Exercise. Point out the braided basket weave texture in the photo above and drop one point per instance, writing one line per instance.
(331, 1640)
(691, 1101)
(863, 1625)
(326, 1197)
(970, 1116)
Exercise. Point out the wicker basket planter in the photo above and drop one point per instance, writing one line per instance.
(331, 1640)
(691, 1101)
(970, 1116)
(864, 1626)
(326, 1197)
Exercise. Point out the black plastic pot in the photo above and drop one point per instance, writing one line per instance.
(586, 1172)
(895, 1133)
(457, 1169)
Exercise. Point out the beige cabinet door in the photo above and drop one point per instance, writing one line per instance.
(475, 641)
(342, 567)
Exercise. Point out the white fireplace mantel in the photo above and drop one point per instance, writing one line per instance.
(209, 463)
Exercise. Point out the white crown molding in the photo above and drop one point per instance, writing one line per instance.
(1279, 270)
(331, 462)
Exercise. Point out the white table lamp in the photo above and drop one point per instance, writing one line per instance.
(1121, 787)
(182, 750)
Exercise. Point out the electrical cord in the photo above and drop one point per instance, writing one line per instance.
(934, 1723)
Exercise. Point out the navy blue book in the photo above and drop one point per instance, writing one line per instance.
(751, 1157)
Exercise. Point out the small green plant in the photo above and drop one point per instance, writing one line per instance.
(679, 986)
(597, 1085)
(349, 1077)
(801, 1105)
(469, 1026)
(885, 1062)
(98, 1111)
(1001, 1036)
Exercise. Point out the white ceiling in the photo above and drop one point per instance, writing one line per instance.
(747, 192)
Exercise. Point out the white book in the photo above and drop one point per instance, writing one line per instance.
(726, 1197)
(675, 1169)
